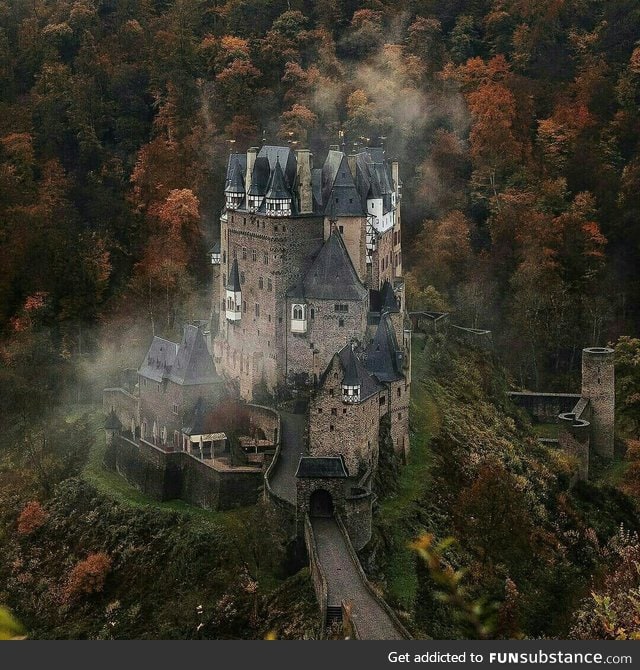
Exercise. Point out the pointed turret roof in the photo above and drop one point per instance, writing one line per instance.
(332, 275)
(388, 301)
(344, 199)
(355, 374)
(233, 284)
(277, 187)
(348, 358)
(381, 355)
(235, 174)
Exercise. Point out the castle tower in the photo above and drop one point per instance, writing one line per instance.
(598, 384)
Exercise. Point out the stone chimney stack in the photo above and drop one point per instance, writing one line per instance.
(395, 175)
(251, 159)
(303, 177)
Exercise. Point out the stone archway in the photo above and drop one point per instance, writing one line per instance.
(320, 504)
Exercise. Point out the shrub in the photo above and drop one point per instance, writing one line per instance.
(31, 518)
(88, 576)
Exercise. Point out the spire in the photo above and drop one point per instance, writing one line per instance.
(235, 182)
(388, 301)
(277, 189)
(351, 376)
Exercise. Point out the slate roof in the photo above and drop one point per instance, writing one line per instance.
(331, 275)
(159, 359)
(193, 363)
(388, 301)
(343, 199)
(260, 176)
(233, 283)
(235, 174)
(381, 356)
(278, 190)
(321, 467)
(355, 373)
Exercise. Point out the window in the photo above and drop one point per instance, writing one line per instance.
(383, 399)
(341, 229)
(313, 313)
(244, 306)
(334, 411)
(331, 427)
(399, 415)
(344, 410)
(319, 410)
(260, 283)
(254, 255)
(298, 312)
(331, 392)
(338, 307)
(265, 258)
(275, 228)
(399, 391)
(269, 284)
(257, 309)
(224, 279)
(244, 253)
(224, 256)
(235, 253)
(242, 277)
(341, 323)
(175, 408)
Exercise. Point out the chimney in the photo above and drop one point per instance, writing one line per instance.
(251, 159)
(305, 192)
(395, 175)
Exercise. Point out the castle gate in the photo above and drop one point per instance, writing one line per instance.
(321, 504)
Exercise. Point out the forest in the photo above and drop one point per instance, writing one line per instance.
(517, 127)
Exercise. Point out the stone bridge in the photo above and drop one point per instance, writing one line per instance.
(337, 574)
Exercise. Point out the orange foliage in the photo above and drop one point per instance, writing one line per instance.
(87, 576)
(31, 518)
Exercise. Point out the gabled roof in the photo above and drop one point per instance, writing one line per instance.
(277, 189)
(159, 359)
(320, 467)
(332, 275)
(355, 373)
(233, 283)
(193, 363)
(381, 356)
(215, 249)
(388, 301)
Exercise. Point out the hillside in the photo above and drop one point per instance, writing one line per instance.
(531, 546)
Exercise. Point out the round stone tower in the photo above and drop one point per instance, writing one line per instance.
(598, 384)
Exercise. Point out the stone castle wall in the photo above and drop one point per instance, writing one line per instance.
(157, 400)
(170, 475)
(272, 254)
(349, 429)
(312, 351)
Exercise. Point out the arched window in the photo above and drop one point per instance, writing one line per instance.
(297, 312)
(260, 283)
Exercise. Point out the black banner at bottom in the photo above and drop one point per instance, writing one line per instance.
(326, 655)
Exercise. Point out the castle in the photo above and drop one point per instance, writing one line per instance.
(308, 301)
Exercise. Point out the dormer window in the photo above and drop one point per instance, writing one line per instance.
(298, 318)
(350, 393)
(279, 207)
(234, 200)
